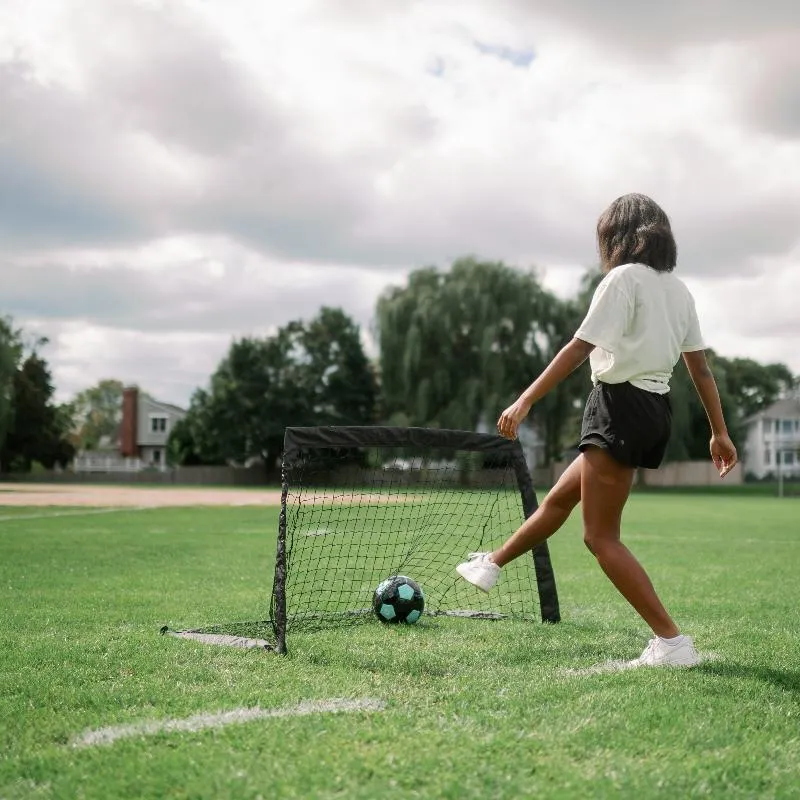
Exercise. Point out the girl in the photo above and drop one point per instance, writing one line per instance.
(641, 319)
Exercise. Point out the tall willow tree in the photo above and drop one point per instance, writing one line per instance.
(457, 346)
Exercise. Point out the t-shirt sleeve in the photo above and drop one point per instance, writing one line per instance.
(693, 340)
(609, 315)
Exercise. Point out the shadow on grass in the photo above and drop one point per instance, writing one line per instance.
(783, 679)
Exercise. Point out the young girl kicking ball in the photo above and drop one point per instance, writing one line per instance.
(641, 319)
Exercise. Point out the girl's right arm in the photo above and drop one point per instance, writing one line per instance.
(723, 451)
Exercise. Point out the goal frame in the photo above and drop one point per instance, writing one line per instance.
(296, 439)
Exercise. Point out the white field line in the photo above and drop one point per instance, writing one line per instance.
(199, 722)
(316, 532)
(222, 639)
(76, 513)
(621, 666)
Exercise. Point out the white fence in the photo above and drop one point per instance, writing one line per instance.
(97, 463)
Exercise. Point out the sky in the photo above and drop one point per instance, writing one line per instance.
(174, 175)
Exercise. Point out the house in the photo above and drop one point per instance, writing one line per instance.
(146, 426)
(772, 443)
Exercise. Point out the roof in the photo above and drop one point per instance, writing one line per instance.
(786, 408)
(167, 406)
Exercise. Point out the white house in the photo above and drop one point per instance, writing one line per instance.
(141, 441)
(146, 426)
(773, 440)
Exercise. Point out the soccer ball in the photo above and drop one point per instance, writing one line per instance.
(398, 599)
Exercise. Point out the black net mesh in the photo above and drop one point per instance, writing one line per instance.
(403, 501)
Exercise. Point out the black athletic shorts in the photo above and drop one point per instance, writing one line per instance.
(633, 425)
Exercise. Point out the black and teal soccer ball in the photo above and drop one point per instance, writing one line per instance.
(398, 600)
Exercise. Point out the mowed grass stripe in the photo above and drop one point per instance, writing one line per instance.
(474, 708)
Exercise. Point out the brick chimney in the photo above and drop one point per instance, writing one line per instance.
(130, 412)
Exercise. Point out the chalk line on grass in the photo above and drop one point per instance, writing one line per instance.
(199, 722)
(316, 532)
(77, 513)
(220, 639)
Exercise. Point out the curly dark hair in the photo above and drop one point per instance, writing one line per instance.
(635, 230)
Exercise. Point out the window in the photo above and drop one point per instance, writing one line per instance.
(767, 457)
(788, 426)
(156, 456)
(158, 424)
(788, 457)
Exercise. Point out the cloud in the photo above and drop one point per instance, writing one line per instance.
(768, 75)
(196, 286)
(185, 172)
(655, 30)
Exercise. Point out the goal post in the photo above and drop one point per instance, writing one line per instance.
(359, 504)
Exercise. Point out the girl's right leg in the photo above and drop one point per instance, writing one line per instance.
(483, 569)
(547, 519)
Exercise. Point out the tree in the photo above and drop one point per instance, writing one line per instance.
(97, 413)
(39, 428)
(456, 347)
(756, 386)
(312, 373)
(186, 444)
(690, 429)
(10, 354)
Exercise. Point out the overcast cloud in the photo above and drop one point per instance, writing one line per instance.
(173, 175)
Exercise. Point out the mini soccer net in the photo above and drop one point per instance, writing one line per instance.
(362, 503)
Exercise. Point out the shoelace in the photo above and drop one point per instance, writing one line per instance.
(478, 556)
(651, 645)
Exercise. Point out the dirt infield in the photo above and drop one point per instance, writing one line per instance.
(32, 494)
(115, 496)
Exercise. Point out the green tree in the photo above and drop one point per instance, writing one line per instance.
(10, 355)
(756, 386)
(39, 428)
(690, 429)
(313, 373)
(187, 444)
(97, 413)
(457, 346)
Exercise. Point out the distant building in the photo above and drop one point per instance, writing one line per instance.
(141, 441)
(146, 426)
(773, 440)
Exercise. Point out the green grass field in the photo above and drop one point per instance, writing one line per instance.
(463, 708)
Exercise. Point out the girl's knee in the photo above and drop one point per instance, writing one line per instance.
(597, 543)
(563, 502)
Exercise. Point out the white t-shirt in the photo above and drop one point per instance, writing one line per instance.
(640, 321)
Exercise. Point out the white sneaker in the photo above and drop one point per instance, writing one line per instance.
(659, 654)
(479, 571)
